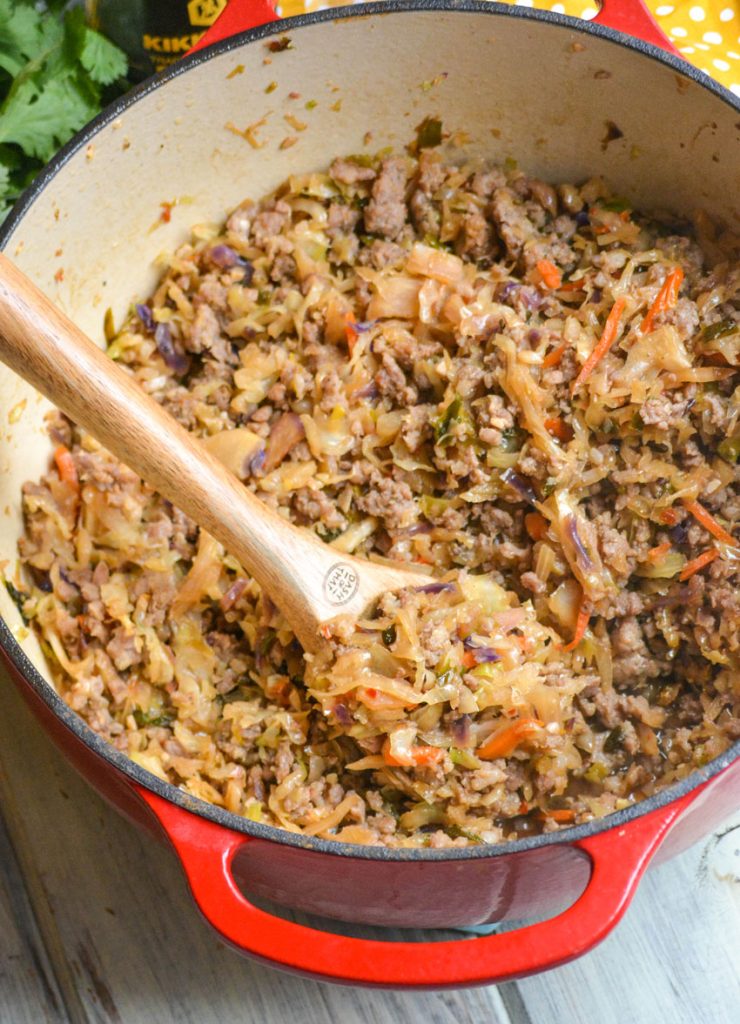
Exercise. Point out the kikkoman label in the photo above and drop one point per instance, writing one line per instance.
(203, 13)
(154, 33)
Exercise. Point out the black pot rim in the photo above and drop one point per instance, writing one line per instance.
(75, 724)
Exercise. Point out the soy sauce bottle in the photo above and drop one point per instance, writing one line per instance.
(154, 33)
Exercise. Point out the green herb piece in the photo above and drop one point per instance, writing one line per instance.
(434, 243)
(596, 772)
(264, 645)
(311, 104)
(389, 636)
(162, 719)
(328, 534)
(432, 507)
(720, 330)
(613, 740)
(271, 87)
(453, 425)
(618, 204)
(465, 758)
(729, 449)
(56, 73)
(18, 598)
(512, 439)
(457, 832)
(429, 133)
(447, 673)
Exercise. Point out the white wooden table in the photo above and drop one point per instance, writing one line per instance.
(97, 927)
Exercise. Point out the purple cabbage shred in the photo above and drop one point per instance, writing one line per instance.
(434, 588)
(532, 299)
(176, 361)
(520, 485)
(255, 462)
(369, 391)
(678, 534)
(415, 530)
(225, 257)
(480, 651)
(360, 326)
(583, 556)
(460, 729)
(342, 714)
(145, 315)
(507, 291)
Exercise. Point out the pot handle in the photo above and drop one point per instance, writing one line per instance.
(629, 16)
(634, 19)
(618, 859)
(237, 16)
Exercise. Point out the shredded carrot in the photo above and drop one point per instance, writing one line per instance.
(605, 342)
(325, 631)
(563, 815)
(557, 426)
(555, 357)
(708, 521)
(352, 332)
(523, 807)
(698, 563)
(66, 466)
(669, 516)
(573, 286)
(665, 300)
(655, 554)
(468, 659)
(551, 276)
(506, 740)
(536, 525)
(584, 614)
(419, 756)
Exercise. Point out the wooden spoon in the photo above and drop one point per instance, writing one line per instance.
(309, 581)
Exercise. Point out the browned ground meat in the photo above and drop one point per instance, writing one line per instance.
(414, 335)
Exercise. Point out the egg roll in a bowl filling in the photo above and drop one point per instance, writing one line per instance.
(528, 392)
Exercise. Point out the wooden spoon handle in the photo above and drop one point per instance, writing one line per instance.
(43, 346)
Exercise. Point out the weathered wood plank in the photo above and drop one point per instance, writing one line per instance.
(29, 993)
(675, 956)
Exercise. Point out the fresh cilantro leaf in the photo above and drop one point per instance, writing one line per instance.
(40, 118)
(20, 35)
(54, 74)
(103, 61)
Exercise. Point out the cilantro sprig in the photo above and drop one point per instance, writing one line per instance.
(56, 73)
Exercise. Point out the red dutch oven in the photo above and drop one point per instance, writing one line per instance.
(566, 98)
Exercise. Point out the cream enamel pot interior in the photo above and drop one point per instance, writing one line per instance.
(541, 88)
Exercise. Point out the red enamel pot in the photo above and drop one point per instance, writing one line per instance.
(543, 88)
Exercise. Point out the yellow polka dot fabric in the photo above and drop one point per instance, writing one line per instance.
(706, 33)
